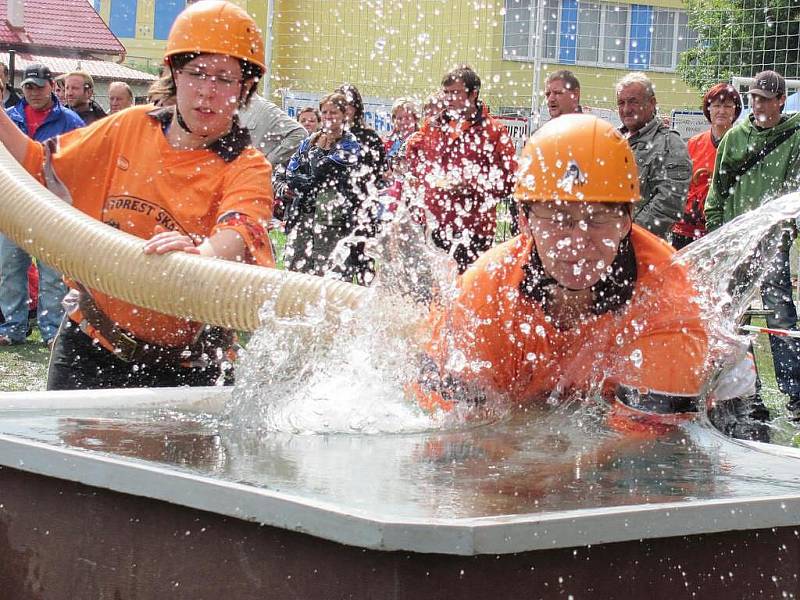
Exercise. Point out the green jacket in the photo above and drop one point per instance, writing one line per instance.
(664, 173)
(776, 173)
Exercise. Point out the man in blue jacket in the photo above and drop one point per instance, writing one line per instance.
(41, 116)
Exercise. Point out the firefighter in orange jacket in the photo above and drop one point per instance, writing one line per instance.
(185, 178)
(584, 301)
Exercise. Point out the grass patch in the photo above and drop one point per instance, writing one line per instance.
(784, 432)
(24, 367)
(278, 242)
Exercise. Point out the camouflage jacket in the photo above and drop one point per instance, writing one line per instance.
(665, 170)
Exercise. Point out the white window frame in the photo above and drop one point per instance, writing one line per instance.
(604, 8)
(559, 16)
(601, 62)
(529, 55)
(674, 52)
(598, 62)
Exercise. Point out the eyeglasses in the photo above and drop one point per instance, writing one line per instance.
(594, 217)
(220, 81)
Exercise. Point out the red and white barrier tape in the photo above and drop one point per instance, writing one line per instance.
(769, 331)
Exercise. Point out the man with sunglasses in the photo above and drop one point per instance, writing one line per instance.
(583, 303)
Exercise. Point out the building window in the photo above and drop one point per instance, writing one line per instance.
(519, 31)
(615, 34)
(687, 37)
(662, 38)
(165, 14)
(550, 28)
(123, 18)
(588, 32)
(605, 34)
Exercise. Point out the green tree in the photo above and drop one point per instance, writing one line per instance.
(741, 38)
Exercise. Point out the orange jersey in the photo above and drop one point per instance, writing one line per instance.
(506, 343)
(122, 171)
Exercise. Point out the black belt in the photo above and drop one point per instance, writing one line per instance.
(130, 349)
(655, 402)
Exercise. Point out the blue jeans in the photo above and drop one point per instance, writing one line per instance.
(14, 263)
(776, 295)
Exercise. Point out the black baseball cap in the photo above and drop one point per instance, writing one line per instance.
(37, 74)
(768, 84)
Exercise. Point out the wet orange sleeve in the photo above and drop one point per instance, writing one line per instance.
(246, 204)
(79, 160)
(34, 160)
(668, 355)
(474, 337)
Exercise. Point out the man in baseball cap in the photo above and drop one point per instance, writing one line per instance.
(757, 160)
(768, 84)
(41, 116)
(37, 74)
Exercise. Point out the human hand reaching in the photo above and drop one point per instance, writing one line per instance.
(164, 241)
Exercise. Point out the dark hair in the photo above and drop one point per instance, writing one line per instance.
(306, 109)
(338, 99)
(353, 98)
(565, 75)
(465, 75)
(722, 91)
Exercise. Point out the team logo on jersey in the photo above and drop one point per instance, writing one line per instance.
(572, 177)
(123, 163)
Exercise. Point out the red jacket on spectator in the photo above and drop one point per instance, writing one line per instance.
(703, 153)
(463, 169)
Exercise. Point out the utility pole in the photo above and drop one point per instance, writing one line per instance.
(269, 41)
(538, 46)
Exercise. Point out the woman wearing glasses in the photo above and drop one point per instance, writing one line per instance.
(583, 303)
(185, 179)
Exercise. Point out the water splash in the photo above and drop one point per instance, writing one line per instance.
(319, 373)
(348, 374)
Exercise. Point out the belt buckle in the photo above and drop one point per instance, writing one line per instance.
(125, 347)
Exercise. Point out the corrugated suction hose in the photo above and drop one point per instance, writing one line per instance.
(208, 290)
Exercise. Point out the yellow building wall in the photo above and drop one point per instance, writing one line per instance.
(392, 48)
(144, 51)
(400, 48)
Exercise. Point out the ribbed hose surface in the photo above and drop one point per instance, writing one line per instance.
(207, 290)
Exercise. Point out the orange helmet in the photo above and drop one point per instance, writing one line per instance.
(577, 158)
(216, 27)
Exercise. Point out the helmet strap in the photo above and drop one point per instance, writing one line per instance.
(183, 125)
(178, 116)
(611, 293)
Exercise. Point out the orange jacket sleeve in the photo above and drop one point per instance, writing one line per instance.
(247, 204)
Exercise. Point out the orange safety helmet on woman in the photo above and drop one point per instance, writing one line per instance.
(216, 27)
(577, 158)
